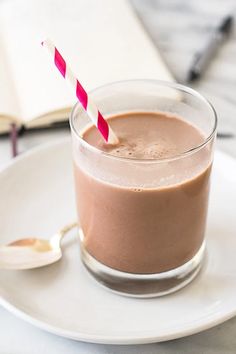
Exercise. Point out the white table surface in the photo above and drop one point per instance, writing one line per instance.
(179, 28)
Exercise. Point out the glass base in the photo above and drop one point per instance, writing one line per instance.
(143, 285)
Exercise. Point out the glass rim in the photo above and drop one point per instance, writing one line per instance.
(171, 85)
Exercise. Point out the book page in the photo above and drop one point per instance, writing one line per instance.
(9, 109)
(102, 40)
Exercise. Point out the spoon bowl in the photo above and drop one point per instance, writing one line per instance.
(29, 253)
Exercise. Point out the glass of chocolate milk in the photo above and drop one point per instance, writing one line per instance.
(142, 204)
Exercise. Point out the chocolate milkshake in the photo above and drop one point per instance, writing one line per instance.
(140, 210)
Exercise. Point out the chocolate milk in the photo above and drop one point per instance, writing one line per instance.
(146, 229)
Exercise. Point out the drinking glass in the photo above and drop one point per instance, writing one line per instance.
(163, 201)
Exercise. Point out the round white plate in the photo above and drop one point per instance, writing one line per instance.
(36, 198)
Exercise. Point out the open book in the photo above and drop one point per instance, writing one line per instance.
(103, 41)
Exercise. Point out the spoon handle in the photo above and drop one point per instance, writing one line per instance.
(55, 241)
(67, 228)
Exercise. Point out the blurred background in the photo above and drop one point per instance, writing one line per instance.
(180, 29)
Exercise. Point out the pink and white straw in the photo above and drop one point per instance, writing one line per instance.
(81, 94)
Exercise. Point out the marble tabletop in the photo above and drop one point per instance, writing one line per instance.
(179, 28)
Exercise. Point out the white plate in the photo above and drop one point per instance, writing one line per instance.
(36, 198)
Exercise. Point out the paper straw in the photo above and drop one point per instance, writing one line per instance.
(81, 94)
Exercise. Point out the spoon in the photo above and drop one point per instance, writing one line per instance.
(29, 253)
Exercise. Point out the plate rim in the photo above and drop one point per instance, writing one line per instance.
(168, 334)
(22, 156)
(119, 340)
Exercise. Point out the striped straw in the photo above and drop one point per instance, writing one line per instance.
(81, 94)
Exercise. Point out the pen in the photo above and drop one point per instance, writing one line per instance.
(203, 58)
